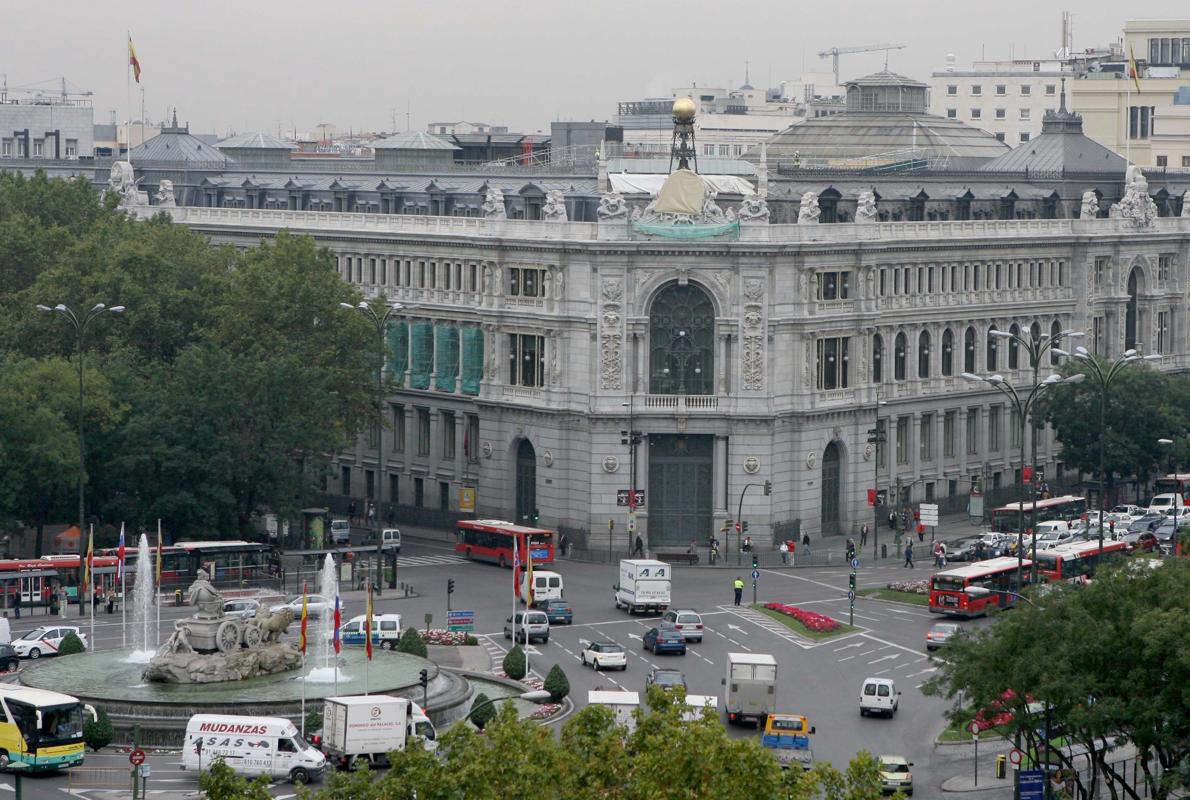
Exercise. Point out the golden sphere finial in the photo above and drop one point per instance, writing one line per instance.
(684, 109)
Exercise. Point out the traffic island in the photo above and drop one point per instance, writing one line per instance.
(897, 595)
(809, 624)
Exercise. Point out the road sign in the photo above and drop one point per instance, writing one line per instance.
(973, 728)
(882, 497)
(461, 621)
(929, 514)
(631, 522)
(755, 574)
(855, 563)
(1032, 784)
(136, 757)
(622, 497)
(1014, 756)
(144, 770)
(851, 595)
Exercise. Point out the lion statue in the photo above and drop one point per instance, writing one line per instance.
(272, 625)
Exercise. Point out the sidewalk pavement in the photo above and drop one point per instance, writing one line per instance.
(965, 780)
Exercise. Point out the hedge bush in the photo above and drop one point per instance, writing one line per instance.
(556, 684)
(514, 663)
(412, 643)
(98, 733)
(482, 711)
(71, 644)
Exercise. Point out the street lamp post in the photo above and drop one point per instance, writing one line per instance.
(1103, 377)
(80, 323)
(631, 438)
(877, 438)
(380, 323)
(1023, 407)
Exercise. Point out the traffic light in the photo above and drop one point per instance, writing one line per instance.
(737, 527)
(768, 487)
(726, 526)
(851, 581)
(536, 516)
(450, 585)
(755, 561)
(745, 524)
(424, 678)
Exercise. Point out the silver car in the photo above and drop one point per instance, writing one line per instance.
(241, 609)
(528, 625)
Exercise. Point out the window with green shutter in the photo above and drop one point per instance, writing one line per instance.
(472, 360)
(398, 351)
(447, 346)
(422, 347)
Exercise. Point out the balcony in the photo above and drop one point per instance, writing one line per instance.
(681, 404)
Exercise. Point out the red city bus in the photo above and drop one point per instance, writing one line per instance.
(1077, 561)
(491, 540)
(947, 588)
(33, 577)
(1006, 519)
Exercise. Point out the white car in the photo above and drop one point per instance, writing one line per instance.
(44, 641)
(241, 609)
(604, 655)
(316, 605)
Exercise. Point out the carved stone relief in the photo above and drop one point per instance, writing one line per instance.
(753, 363)
(611, 339)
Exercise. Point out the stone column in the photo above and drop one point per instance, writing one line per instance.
(721, 356)
(718, 471)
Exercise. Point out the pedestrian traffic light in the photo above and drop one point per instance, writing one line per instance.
(755, 561)
(536, 516)
(450, 585)
(768, 487)
(851, 581)
(424, 678)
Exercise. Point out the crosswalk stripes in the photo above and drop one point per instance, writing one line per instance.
(429, 561)
(770, 625)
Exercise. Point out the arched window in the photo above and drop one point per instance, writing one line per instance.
(1055, 332)
(682, 341)
(1014, 355)
(1035, 333)
(877, 358)
(1134, 278)
(923, 355)
(947, 353)
(969, 350)
(899, 346)
(993, 346)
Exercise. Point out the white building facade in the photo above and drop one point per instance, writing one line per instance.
(1005, 98)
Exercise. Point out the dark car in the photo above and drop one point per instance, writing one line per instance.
(665, 640)
(666, 678)
(558, 611)
(1145, 540)
(9, 659)
(1145, 523)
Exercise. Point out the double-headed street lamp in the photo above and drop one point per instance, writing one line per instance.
(1023, 407)
(1103, 376)
(80, 323)
(380, 323)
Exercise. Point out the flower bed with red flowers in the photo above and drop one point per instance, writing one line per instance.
(449, 638)
(811, 619)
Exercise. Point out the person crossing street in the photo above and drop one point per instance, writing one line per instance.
(909, 554)
(739, 589)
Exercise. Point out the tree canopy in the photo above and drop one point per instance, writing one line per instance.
(215, 396)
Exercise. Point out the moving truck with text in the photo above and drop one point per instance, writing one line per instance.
(644, 585)
(368, 727)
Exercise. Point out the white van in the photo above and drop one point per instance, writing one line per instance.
(878, 696)
(1165, 502)
(386, 629)
(251, 746)
(390, 539)
(546, 585)
(5, 631)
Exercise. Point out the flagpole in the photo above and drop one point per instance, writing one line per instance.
(158, 593)
(128, 92)
(368, 629)
(303, 694)
(91, 559)
(123, 592)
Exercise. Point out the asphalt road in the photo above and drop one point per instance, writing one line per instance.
(819, 679)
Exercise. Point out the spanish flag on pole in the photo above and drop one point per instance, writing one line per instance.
(305, 618)
(1133, 70)
(89, 562)
(132, 60)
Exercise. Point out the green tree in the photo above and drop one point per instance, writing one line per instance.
(71, 645)
(860, 781)
(411, 642)
(556, 684)
(1107, 659)
(482, 711)
(514, 663)
(220, 782)
(98, 732)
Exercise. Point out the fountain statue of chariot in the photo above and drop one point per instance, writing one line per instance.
(210, 647)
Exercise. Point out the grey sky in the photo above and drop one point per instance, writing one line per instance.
(260, 64)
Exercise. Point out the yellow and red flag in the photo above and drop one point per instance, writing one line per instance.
(90, 561)
(132, 60)
(368, 624)
(305, 618)
(158, 555)
(1133, 70)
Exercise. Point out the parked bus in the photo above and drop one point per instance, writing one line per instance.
(1172, 483)
(491, 540)
(948, 588)
(1077, 561)
(223, 560)
(1006, 519)
(33, 578)
(40, 728)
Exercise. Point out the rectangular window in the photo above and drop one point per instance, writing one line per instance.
(1026, 114)
(976, 113)
(38, 148)
(398, 428)
(6, 148)
(1026, 90)
(72, 148)
(1025, 137)
(1186, 161)
(1163, 161)
(526, 360)
(423, 431)
(834, 285)
(1000, 113)
(973, 431)
(902, 440)
(994, 429)
(1000, 136)
(444, 495)
(345, 481)
(1001, 89)
(1101, 263)
(1097, 336)
(373, 435)
(472, 278)
(952, 89)
(926, 437)
(832, 363)
(724, 150)
(1140, 122)
(1164, 267)
(421, 274)
(1051, 90)
(1162, 331)
(448, 435)
(952, 113)
(948, 433)
(526, 282)
(471, 438)
(976, 89)
(394, 488)
(708, 149)
(419, 492)
(1014, 435)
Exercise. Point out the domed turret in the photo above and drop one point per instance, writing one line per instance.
(684, 109)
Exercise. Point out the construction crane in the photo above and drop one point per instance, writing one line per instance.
(835, 52)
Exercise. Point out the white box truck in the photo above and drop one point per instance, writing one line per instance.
(251, 746)
(644, 585)
(751, 687)
(622, 704)
(368, 727)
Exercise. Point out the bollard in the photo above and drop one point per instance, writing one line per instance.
(884, 551)
(177, 597)
(1001, 765)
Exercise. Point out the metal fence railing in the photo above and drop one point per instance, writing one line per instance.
(99, 778)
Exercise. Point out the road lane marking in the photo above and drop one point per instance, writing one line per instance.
(737, 628)
(885, 658)
(846, 646)
(848, 658)
(891, 644)
(881, 672)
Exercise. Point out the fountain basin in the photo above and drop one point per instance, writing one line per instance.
(160, 710)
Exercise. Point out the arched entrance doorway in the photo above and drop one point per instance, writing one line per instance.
(832, 463)
(526, 482)
(1130, 311)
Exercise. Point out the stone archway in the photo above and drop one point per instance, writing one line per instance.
(832, 489)
(526, 482)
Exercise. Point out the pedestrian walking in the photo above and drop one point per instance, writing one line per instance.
(921, 532)
(938, 554)
(784, 553)
(739, 589)
(850, 549)
(863, 535)
(351, 511)
(942, 555)
(371, 512)
(16, 603)
(792, 544)
(639, 548)
(909, 555)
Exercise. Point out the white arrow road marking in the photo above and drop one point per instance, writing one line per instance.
(923, 672)
(737, 628)
(531, 650)
(885, 658)
(634, 636)
(844, 647)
